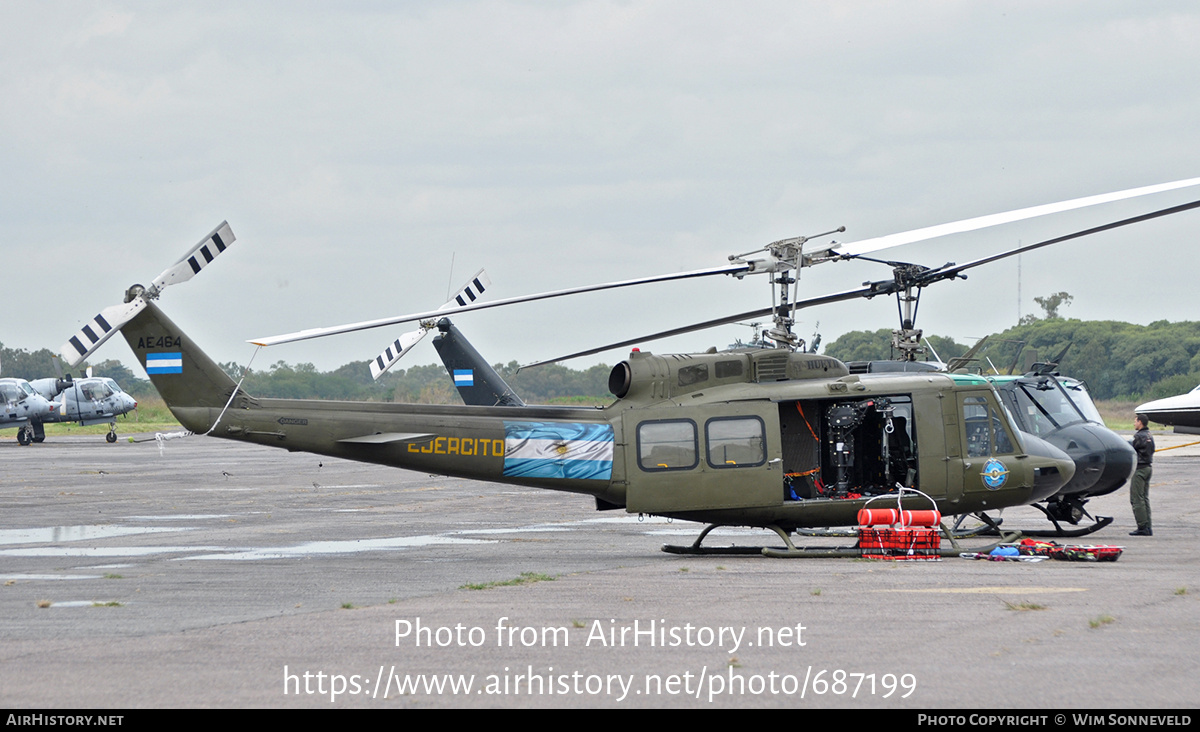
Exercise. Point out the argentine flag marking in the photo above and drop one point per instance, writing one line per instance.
(558, 450)
(164, 363)
(464, 377)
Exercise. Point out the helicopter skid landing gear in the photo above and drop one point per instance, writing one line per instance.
(791, 551)
(1099, 522)
(992, 528)
(696, 550)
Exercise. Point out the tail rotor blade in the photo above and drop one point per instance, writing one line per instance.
(469, 293)
(466, 295)
(102, 327)
(392, 353)
(98, 330)
(196, 258)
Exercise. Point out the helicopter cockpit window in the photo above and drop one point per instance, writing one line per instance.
(737, 442)
(1045, 406)
(667, 445)
(689, 375)
(985, 430)
(96, 391)
(1077, 391)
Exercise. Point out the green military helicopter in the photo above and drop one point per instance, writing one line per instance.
(774, 438)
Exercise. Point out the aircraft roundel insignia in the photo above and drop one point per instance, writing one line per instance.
(994, 474)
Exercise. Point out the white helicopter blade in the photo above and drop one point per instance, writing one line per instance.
(98, 330)
(109, 321)
(866, 246)
(337, 329)
(466, 295)
(469, 292)
(392, 353)
(196, 258)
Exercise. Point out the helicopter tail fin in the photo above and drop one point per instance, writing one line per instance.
(194, 387)
(477, 382)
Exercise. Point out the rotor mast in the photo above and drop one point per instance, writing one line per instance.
(785, 259)
(906, 340)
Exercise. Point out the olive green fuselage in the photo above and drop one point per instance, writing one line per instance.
(718, 438)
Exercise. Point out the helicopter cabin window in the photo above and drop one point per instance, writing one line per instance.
(985, 432)
(735, 442)
(667, 445)
(728, 369)
(689, 375)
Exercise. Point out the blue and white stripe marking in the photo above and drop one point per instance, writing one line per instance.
(464, 377)
(164, 363)
(558, 450)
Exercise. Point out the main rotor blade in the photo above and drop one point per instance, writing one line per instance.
(952, 270)
(337, 329)
(811, 302)
(866, 246)
(883, 287)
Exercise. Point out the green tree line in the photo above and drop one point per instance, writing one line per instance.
(1117, 360)
(428, 384)
(40, 364)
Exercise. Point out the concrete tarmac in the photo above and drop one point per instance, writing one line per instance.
(214, 574)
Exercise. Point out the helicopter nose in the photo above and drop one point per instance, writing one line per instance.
(1119, 463)
(1087, 447)
(1052, 468)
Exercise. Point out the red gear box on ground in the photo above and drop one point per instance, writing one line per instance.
(915, 543)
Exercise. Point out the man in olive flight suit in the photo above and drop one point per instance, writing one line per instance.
(1139, 489)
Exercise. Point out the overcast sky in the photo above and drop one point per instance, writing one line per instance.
(358, 149)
